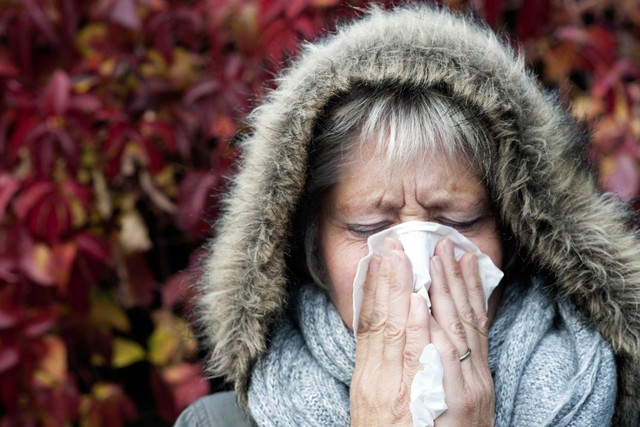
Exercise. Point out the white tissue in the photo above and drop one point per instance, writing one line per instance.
(419, 241)
(427, 391)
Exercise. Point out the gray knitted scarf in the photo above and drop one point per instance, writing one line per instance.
(548, 367)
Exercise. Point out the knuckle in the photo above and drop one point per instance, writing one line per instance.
(414, 328)
(364, 325)
(394, 285)
(482, 323)
(378, 320)
(467, 315)
(411, 356)
(471, 402)
(456, 329)
(392, 332)
(451, 354)
(456, 270)
(476, 287)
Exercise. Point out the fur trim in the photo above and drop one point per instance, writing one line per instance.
(543, 193)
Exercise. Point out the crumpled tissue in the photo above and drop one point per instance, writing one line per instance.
(419, 241)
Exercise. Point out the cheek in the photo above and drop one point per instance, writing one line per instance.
(342, 260)
(491, 245)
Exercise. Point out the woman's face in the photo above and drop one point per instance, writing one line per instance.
(366, 201)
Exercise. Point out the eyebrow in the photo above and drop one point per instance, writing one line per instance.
(389, 207)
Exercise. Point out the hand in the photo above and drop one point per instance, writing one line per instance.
(459, 323)
(393, 330)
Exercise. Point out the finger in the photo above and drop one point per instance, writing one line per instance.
(470, 272)
(443, 306)
(417, 336)
(366, 310)
(450, 358)
(400, 286)
(368, 296)
(459, 294)
(379, 313)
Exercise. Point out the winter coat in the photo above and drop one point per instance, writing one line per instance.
(544, 193)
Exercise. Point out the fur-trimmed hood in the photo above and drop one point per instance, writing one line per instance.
(543, 193)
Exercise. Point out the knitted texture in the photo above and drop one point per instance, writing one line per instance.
(304, 379)
(548, 367)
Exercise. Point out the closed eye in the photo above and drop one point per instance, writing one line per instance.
(366, 230)
(461, 226)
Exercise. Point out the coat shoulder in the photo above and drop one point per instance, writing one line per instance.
(216, 410)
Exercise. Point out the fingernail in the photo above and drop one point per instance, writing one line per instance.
(448, 247)
(374, 264)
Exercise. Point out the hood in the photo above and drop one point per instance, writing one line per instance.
(544, 194)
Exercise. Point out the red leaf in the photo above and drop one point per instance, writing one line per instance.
(194, 196)
(597, 45)
(532, 17)
(51, 219)
(14, 241)
(39, 18)
(57, 93)
(9, 357)
(9, 317)
(20, 136)
(173, 290)
(108, 405)
(200, 90)
(86, 103)
(175, 387)
(622, 176)
(8, 187)
(124, 13)
(29, 198)
(493, 11)
(268, 11)
(90, 245)
(295, 8)
(162, 131)
(7, 66)
(40, 323)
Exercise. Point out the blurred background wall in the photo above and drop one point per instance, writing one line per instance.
(117, 125)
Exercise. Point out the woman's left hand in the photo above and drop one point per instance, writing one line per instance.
(459, 324)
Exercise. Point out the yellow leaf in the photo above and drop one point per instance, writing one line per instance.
(133, 236)
(89, 34)
(171, 340)
(126, 352)
(53, 363)
(106, 314)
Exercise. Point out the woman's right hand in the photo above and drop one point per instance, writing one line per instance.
(392, 331)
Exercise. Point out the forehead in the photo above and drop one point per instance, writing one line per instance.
(371, 178)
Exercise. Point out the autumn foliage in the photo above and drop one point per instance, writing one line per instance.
(117, 124)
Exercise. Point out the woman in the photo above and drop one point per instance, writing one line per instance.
(418, 114)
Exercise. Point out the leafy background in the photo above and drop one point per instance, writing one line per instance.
(117, 124)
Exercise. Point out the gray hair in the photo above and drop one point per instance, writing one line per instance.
(402, 124)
